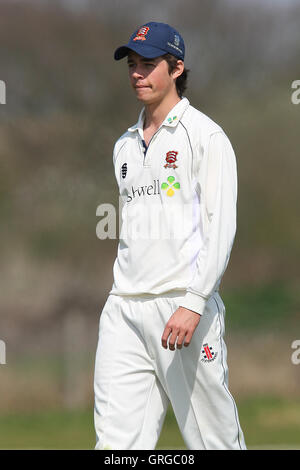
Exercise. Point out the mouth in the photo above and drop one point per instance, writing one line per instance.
(140, 87)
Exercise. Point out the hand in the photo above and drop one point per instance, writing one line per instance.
(181, 324)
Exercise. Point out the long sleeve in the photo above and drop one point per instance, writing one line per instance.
(219, 191)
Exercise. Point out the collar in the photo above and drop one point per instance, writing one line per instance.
(171, 120)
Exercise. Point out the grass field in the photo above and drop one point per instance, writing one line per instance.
(268, 423)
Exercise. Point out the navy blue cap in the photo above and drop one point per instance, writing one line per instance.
(153, 40)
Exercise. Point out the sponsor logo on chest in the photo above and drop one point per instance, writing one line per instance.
(146, 190)
(154, 189)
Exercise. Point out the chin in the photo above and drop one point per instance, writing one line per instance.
(144, 100)
(147, 100)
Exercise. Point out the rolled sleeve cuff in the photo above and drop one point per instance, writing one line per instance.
(194, 302)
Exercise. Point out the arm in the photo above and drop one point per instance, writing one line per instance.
(219, 189)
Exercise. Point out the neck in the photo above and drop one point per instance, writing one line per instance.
(155, 113)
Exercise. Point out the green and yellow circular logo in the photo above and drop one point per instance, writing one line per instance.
(170, 186)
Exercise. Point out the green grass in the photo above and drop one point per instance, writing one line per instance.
(48, 430)
(267, 423)
(268, 307)
(270, 421)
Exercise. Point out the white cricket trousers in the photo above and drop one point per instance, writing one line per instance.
(136, 378)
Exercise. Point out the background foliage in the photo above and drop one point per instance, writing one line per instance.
(67, 102)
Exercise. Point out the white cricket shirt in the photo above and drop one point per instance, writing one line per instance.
(179, 207)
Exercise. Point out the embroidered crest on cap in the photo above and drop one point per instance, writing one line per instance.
(140, 35)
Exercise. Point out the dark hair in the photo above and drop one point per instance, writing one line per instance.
(181, 81)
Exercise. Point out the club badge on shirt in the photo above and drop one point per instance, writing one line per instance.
(171, 158)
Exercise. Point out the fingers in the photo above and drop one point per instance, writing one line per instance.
(172, 340)
(165, 336)
(180, 340)
(180, 328)
(188, 338)
(174, 334)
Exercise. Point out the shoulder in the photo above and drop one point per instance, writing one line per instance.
(120, 143)
(198, 125)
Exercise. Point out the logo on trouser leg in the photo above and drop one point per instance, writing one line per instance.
(208, 355)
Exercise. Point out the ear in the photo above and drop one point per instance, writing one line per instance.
(178, 69)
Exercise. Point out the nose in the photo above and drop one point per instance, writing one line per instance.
(136, 72)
